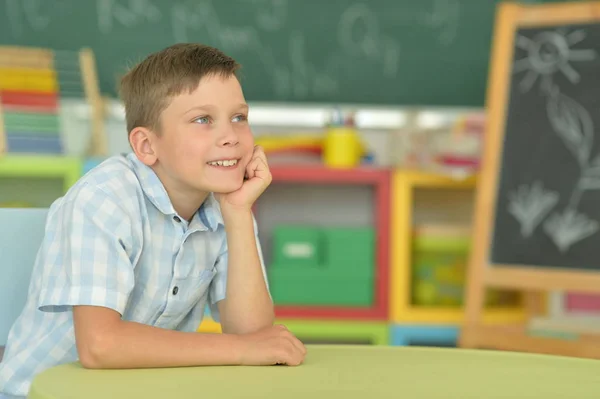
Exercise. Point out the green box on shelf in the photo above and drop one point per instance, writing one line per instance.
(350, 250)
(297, 246)
(319, 287)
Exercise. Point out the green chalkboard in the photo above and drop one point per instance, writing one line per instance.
(405, 52)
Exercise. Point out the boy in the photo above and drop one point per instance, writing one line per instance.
(136, 249)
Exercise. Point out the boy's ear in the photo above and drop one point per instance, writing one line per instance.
(142, 143)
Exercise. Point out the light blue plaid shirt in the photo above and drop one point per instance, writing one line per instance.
(115, 240)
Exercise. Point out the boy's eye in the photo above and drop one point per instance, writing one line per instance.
(202, 120)
(240, 118)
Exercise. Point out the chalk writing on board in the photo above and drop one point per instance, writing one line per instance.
(371, 44)
(187, 21)
(304, 75)
(271, 14)
(443, 19)
(446, 17)
(127, 13)
(301, 78)
(549, 53)
(12, 10)
(34, 13)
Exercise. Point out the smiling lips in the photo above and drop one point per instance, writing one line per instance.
(224, 163)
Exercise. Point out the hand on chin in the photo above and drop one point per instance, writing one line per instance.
(258, 177)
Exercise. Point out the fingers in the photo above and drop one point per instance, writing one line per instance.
(250, 168)
(258, 168)
(298, 345)
(259, 153)
(290, 354)
(296, 350)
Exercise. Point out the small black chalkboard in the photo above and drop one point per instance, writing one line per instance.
(537, 219)
(548, 192)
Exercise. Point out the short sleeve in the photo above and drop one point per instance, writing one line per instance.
(218, 288)
(86, 253)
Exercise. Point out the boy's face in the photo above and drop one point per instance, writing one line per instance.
(205, 141)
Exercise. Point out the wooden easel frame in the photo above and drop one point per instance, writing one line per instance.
(481, 273)
(31, 57)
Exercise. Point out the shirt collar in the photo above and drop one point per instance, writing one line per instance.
(209, 213)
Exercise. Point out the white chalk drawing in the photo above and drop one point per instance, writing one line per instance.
(14, 18)
(573, 124)
(569, 227)
(31, 14)
(271, 15)
(359, 35)
(127, 13)
(530, 205)
(441, 20)
(550, 52)
(358, 18)
(297, 77)
(446, 17)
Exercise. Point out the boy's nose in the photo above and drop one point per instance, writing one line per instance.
(228, 138)
(230, 143)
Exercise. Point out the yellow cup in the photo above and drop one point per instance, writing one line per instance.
(342, 148)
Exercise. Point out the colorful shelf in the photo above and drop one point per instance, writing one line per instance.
(379, 179)
(402, 309)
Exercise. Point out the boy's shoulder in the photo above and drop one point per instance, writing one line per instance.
(118, 179)
(116, 176)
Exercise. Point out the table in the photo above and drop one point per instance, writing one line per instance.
(331, 371)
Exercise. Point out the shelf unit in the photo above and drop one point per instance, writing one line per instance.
(380, 180)
(39, 168)
(67, 168)
(402, 311)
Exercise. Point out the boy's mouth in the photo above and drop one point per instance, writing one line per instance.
(227, 163)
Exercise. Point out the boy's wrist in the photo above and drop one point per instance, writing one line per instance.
(235, 214)
(238, 347)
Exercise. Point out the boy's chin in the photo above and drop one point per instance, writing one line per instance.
(226, 187)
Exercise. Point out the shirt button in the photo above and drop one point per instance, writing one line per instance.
(177, 219)
(175, 290)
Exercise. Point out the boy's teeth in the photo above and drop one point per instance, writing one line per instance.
(228, 162)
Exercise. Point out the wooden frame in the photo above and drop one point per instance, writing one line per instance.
(511, 16)
(404, 184)
(42, 60)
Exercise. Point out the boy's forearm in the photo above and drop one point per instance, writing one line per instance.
(248, 306)
(135, 345)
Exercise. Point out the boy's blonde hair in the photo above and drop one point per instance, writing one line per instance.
(147, 88)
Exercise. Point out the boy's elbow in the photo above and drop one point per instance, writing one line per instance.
(249, 326)
(95, 352)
